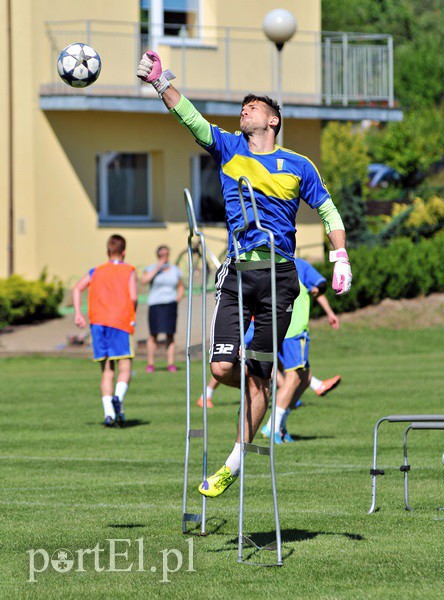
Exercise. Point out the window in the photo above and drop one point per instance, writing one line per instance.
(124, 187)
(169, 18)
(207, 196)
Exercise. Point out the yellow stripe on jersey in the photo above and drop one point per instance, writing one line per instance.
(284, 186)
(321, 179)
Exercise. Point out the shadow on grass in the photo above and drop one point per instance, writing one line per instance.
(305, 438)
(294, 535)
(267, 538)
(212, 527)
(126, 525)
(135, 423)
(128, 423)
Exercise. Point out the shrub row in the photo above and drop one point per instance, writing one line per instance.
(24, 301)
(403, 269)
(424, 218)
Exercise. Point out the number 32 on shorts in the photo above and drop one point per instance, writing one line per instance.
(223, 348)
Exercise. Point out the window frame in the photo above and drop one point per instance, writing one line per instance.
(104, 218)
(157, 24)
(196, 187)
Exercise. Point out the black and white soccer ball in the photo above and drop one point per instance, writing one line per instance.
(79, 65)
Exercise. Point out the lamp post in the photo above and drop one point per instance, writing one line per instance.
(279, 26)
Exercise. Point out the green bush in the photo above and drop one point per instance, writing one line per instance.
(410, 146)
(353, 216)
(402, 269)
(344, 165)
(420, 220)
(344, 160)
(24, 301)
(5, 311)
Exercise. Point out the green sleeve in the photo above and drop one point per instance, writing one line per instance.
(330, 216)
(189, 116)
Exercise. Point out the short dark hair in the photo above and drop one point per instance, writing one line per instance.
(162, 247)
(116, 245)
(274, 106)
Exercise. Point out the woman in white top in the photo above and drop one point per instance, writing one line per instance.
(166, 291)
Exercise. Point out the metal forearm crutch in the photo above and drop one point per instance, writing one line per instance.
(256, 355)
(405, 468)
(374, 471)
(195, 433)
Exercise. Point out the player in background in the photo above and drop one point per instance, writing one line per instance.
(281, 179)
(112, 303)
(293, 354)
(319, 386)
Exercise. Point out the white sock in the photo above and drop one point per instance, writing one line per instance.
(315, 383)
(277, 421)
(280, 412)
(108, 407)
(284, 418)
(233, 461)
(121, 388)
(209, 392)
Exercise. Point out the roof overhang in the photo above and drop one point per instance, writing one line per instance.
(130, 104)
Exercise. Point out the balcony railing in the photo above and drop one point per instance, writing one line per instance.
(225, 63)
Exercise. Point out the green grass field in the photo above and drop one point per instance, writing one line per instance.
(67, 483)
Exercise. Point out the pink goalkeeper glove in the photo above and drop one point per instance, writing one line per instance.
(342, 275)
(150, 71)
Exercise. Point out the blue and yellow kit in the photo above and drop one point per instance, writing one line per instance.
(280, 179)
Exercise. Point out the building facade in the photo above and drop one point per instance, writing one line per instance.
(79, 165)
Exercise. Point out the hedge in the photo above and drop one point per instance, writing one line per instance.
(24, 301)
(403, 269)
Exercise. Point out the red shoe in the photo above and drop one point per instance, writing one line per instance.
(328, 385)
(172, 369)
(150, 369)
(209, 403)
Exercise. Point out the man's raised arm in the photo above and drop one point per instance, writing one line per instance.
(150, 71)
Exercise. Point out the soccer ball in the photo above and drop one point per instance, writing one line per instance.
(79, 65)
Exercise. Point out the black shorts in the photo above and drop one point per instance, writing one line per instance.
(256, 292)
(162, 318)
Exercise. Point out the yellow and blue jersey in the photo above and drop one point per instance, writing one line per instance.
(280, 179)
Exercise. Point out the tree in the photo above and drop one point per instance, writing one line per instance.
(410, 146)
(344, 158)
(416, 28)
(345, 163)
(353, 216)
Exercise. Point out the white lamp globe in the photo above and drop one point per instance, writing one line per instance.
(279, 26)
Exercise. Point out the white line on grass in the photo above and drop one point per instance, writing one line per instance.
(88, 459)
(316, 466)
(68, 505)
(169, 507)
(74, 486)
(227, 509)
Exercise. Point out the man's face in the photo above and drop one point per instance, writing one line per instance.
(255, 116)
